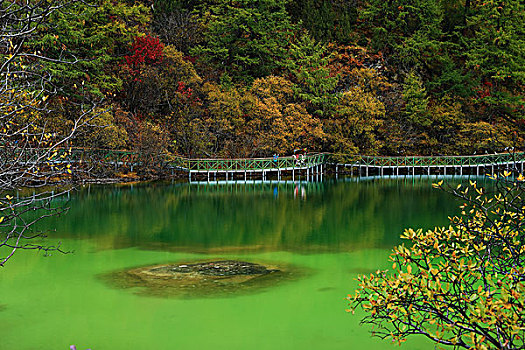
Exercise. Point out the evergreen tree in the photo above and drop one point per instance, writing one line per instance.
(307, 63)
(495, 51)
(326, 20)
(403, 27)
(95, 36)
(177, 23)
(416, 101)
(245, 39)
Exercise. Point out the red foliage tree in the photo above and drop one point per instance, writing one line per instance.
(145, 50)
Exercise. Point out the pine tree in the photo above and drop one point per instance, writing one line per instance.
(307, 63)
(246, 38)
(495, 50)
(416, 101)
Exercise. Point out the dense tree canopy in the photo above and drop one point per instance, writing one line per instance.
(245, 39)
(400, 77)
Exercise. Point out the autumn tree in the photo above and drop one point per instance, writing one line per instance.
(482, 137)
(365, 97)
(463, 285)
(143, 88)
(188, 124)
(95, 35)
(226, 121)
(358, 116)
(276, 122)
(151, 73)
(162, 97)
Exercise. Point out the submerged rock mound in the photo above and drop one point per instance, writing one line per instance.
(201, 278)
(216, 268)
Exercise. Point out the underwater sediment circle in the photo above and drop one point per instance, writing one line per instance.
(210, 278)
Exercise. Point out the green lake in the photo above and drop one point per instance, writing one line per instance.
(324, 233)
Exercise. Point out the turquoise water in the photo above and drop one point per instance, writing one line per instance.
(330, 232)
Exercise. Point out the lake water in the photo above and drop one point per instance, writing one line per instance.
(324, 233)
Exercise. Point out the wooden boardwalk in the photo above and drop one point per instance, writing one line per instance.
(427, 165)
(310, 164)
(314, 164)
(292, 166)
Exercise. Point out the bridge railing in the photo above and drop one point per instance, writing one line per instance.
(259, 164)
(248, 164)
(436, 161)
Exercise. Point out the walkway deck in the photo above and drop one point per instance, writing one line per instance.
(363, 165)
(248, 166)
(439, 164)
(308, 164)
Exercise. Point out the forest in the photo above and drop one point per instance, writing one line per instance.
(246, 78)
(262, 78)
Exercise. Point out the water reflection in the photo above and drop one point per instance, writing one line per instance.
(63, 296)
(238, 216)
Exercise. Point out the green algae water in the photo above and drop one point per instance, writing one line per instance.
(324, 233)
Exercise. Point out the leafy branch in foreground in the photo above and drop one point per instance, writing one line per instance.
(462, 285)
(31, 145)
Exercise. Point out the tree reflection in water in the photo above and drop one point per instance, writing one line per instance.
(302, 217)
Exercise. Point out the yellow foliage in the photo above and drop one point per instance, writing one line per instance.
(359, 115)
(467, 275)
(275, 122)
